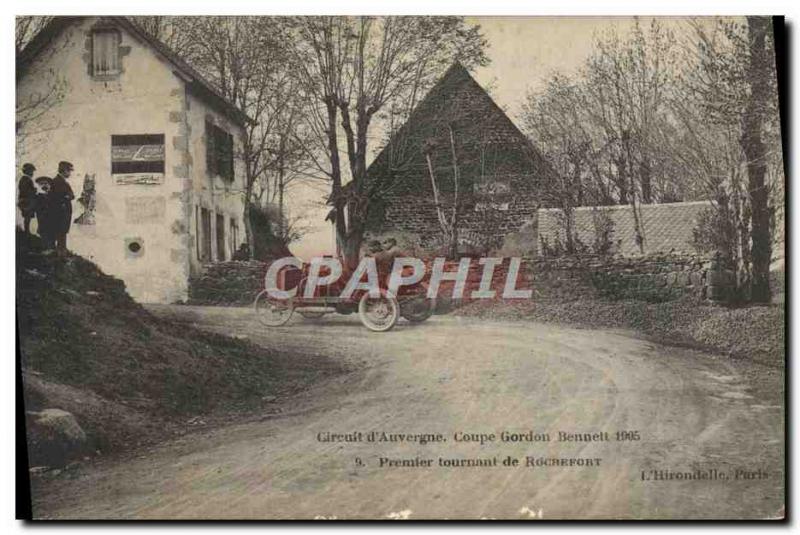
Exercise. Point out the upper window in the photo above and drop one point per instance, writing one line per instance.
(105, 52)
(219, 152)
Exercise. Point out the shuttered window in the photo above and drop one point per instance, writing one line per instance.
(105, 52)
(219, 152)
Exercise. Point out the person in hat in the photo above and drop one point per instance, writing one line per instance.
(385, 258)
(26, 200)
(60, 200)
(44, 211)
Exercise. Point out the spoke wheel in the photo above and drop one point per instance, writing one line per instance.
(418, 308)
(379, 314)
(272, 312)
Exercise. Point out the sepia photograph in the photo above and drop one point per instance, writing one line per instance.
(400, 267)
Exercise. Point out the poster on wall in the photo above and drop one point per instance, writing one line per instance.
(137, 159)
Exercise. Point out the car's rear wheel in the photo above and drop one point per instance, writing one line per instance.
(417, 308)
(272, 312)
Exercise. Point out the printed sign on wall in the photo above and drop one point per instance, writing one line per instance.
(137, 159)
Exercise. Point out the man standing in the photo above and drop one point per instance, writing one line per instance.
(44, 212)
(60, 197)
(27, 196)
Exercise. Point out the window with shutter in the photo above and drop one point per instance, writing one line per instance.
(219, 152)
(226, 169)
(105, 52)
(211, 149)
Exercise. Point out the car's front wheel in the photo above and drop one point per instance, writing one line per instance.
(379, 314)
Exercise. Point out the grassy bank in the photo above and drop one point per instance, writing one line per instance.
(128, 377)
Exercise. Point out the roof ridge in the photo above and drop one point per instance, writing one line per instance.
(456, 69)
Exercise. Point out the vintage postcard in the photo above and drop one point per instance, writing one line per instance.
(401, 267)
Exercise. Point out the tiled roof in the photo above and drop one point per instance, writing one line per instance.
(667, 227)
(456, 98)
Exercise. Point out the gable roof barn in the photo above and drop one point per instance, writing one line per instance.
(457, 101)
(457, 130)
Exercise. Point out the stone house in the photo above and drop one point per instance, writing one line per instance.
(152, 143)
(457, 127)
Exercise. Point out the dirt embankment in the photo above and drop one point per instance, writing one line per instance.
(755, 332)
(130, 378)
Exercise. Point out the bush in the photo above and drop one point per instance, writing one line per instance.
(267, 244)
(603, 232)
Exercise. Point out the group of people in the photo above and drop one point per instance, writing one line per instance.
(49, 200)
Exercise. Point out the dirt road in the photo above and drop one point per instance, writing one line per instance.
(696, 416)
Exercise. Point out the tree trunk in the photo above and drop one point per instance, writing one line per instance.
(569, 219)
(755, 152)
(637, 222)
(456, 180)
(336, 177)
(281, 171)
(622, 179)
(248, 229)
(248, 199)
(351, 252)
(647, 182)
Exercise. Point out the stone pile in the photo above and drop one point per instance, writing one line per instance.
(228, 283)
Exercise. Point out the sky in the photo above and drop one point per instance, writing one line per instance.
(524, 53)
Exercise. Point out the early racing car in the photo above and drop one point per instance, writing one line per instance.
(377, 312)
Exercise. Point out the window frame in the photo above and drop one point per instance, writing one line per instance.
(219, 152)
(114, 50)
(220, 237)
(233, 235)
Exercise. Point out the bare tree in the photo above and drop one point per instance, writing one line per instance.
(627, 81)
(758, 78)
(731, 140)
(352, 68)
(26, 28)
(172, 31)
(33, 107)
(555, 118)
(245, 59)
(603, 128)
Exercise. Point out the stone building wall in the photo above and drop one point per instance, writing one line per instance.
(142, 226)
(481, 224)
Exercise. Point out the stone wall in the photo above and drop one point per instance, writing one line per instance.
(484, 223)
(652, 278)
(227, 283)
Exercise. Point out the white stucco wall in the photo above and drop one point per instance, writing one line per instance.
(220, 196)
(146, 98)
